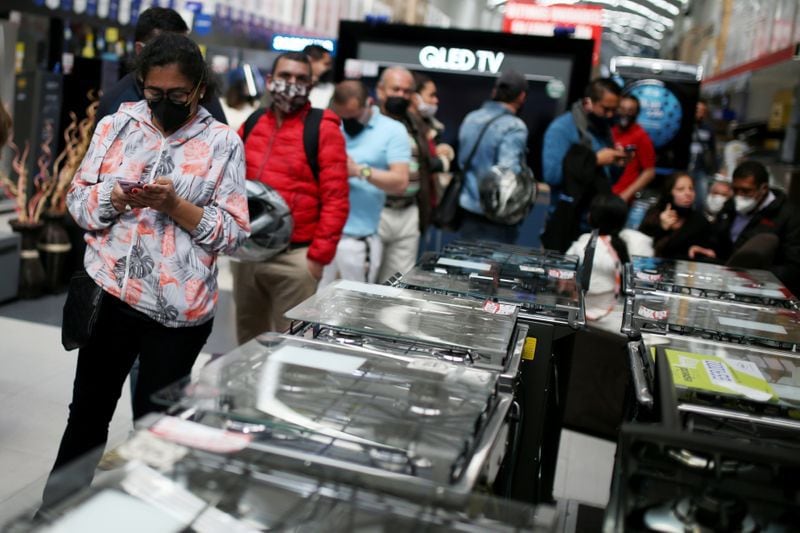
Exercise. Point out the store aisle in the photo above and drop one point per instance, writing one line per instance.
(36, 384)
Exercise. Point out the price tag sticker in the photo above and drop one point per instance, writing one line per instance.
(560, 273)
(498, 308)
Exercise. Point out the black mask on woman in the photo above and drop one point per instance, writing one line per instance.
(170, 115)
(353, 126)
(397, 105)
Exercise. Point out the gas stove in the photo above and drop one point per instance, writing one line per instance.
(735, 322)
(414, 323)
(414, 426)
(670, 481)
(544, 291)
(159, 485)
(708, 281)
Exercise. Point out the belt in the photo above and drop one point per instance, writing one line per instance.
(400, 202)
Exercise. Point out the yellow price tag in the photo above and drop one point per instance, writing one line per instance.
(529, 350)
(112, 35)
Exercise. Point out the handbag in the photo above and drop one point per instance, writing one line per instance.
(81, 311)
(447, 215)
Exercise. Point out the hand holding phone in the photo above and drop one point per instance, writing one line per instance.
(630, 149)
(128, 186)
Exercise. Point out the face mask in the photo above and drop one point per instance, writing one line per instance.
(625, 122)
(288, 97)
(353, 126)
(714, 203)
(326, 77)
(397, 106)
(425, 109)
(744, 204)
(600, 123)
(170, 115)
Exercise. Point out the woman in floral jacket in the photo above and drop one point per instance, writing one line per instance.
(161, 194)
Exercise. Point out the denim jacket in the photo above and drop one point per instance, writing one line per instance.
(504, 144)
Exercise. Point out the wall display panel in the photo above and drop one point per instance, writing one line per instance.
(464, 66)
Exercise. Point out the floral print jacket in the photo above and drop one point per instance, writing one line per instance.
(142, 256)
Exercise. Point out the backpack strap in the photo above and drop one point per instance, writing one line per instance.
(310, 135)
(250, 123)
(311, 139)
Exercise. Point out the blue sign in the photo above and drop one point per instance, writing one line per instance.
(202, 24)
(661, 112)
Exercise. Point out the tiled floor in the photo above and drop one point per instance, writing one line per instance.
(35, 388)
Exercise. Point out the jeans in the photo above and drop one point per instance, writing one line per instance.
(166, 355)
(478, 228)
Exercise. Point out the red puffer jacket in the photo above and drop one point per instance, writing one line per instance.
(275, 155)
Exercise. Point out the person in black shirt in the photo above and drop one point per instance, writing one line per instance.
(151, 23)
(674, 223)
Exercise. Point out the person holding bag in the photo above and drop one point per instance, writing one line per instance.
(161, 194)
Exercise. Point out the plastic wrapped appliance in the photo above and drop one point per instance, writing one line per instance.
(163, 487)
(455, 330)
(670, 481)
(705, 280)
(663, 312)
(412, 426)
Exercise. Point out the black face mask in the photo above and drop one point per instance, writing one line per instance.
(397, 106)
(326, 77)
(600, 124)
(170, 115)
(353, 126)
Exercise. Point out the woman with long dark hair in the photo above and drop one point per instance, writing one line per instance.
(160, 194)
(673, 223)
(615, 246)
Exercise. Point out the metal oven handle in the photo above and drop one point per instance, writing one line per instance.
(643, 395)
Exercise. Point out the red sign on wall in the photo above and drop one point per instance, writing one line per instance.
(529, 18)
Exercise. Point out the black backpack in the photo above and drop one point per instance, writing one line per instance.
(310, 135)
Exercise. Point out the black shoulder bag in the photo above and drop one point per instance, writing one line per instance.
(447, 215)
(81, 311)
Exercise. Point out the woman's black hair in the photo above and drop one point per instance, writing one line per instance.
(174, 48)
(666, 192)
(608, 214)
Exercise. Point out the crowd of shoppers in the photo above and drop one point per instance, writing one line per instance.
(361, 175)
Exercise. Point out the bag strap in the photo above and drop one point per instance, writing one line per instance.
(311, 139)
(468, 162)
(250, 123)
(310, 135)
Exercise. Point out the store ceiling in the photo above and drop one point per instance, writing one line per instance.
(633, 27)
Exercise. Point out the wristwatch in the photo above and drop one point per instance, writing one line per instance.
(365, 173)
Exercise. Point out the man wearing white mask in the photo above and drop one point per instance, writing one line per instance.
(719, 193)
(760, 222)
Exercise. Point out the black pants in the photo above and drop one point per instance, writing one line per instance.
(166, 355)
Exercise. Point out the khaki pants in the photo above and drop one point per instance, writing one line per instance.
(263, 292)
(399, 231)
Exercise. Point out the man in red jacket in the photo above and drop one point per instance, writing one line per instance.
(274, 155)
(641, 167)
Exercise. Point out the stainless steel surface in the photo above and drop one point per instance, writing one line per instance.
(398, 423)
(640, 386)
(784, 423)
(405, 314)
(707, 280)
(662, 312)
(159, 485)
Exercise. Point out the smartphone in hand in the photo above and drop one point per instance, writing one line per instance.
(128, 185)
(630, 149)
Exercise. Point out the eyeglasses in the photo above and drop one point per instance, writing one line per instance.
(176, 96)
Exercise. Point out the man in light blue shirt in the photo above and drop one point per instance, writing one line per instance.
(503, 143)
(378, 154)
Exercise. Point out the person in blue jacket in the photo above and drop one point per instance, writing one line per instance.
(588, 121)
